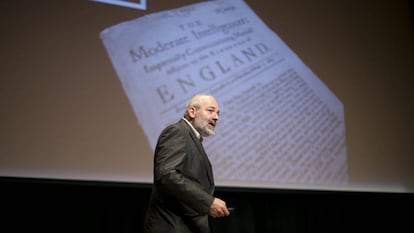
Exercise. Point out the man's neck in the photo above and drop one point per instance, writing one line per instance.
(192, 127)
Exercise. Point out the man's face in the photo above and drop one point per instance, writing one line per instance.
(206, 117)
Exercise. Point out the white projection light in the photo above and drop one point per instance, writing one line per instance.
(142, 5)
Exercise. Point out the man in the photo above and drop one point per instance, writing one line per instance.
(182, 194)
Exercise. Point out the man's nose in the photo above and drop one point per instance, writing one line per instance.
(216, 116)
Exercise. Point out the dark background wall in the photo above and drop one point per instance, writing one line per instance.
(39, 205)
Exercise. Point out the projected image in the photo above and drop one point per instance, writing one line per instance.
(279, 124)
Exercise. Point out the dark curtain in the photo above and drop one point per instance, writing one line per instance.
(38, 205)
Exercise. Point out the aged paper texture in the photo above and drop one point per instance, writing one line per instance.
(279, 124)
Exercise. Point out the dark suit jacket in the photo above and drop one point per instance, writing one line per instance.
(183, 183)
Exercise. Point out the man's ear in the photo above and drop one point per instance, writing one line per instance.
(191, 112)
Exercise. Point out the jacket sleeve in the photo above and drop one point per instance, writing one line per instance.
(170, 159)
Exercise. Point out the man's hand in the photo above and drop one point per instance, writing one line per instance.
(218, 209)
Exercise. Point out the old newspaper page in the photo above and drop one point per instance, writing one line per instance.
(279, 124)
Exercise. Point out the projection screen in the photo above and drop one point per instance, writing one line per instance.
(313, 95)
